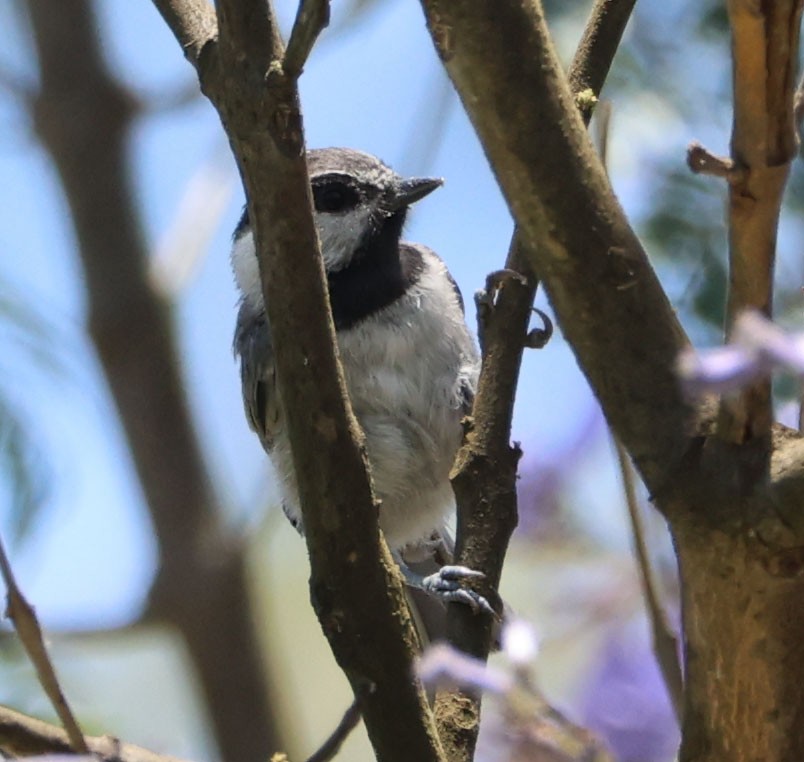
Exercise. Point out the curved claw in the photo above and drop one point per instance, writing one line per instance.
(458, 573)
(446, 585)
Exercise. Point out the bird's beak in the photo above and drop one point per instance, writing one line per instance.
(412, 190)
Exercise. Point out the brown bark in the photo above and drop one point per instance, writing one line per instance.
(739, 540)
(599, 281)
(765, 40)
(486, 467)
(744, 625)
(82, 117)
(25, 736)
(356, 591)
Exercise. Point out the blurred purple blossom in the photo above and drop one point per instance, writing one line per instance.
(443, 666)
(757, 347)
(545, 476)
(626, 701)
(520, 725)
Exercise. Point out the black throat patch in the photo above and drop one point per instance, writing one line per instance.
(381, 271)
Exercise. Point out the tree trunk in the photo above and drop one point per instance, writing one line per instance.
(743, 609)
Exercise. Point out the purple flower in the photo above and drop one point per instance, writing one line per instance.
(626, 702)
(441, 665)
(757, 347)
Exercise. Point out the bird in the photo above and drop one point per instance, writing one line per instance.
(409, 360)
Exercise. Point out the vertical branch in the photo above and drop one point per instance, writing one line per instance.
(765, 40)
(355, 587)
(82, 116)
(597, 48)
(485, 471)
(484, 482)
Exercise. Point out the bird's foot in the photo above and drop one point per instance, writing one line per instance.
(446, 584)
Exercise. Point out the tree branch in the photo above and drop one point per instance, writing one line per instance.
(82, 116)
(598, 46)
(23, 736)
(702, 162)
(356, 590)
(312, 18)
(351, 717)
(485, 471)
(484, 482)
(764, 142)
(192, 22)
(26, 624)
(609, 302)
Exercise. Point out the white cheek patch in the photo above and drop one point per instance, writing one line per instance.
(340, 235)
(246, 269)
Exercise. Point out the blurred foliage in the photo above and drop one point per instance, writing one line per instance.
(31, 343)
(24, 472)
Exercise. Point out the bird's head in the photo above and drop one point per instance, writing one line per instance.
(359, 203)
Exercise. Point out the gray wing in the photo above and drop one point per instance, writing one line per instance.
(252, 343)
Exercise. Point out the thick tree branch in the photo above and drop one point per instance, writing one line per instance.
(355, 587)
(82, 116)
(765, 40)
(193, 23)
(609, 302)
(486, 466)
(23, 736)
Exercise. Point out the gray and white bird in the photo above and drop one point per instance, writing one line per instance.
(410, 363)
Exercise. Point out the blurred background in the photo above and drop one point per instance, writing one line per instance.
(163, 597)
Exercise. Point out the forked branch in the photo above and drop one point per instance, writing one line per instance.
(356, 590)
(607, 298)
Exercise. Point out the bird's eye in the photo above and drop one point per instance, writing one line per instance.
(334, 197)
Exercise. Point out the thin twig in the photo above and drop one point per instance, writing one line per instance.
(486, 540)
(665, 643)
(349, 721)
(596, 50)
(702, 162)
(22, 737)
(23, 616)
(311, 19)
